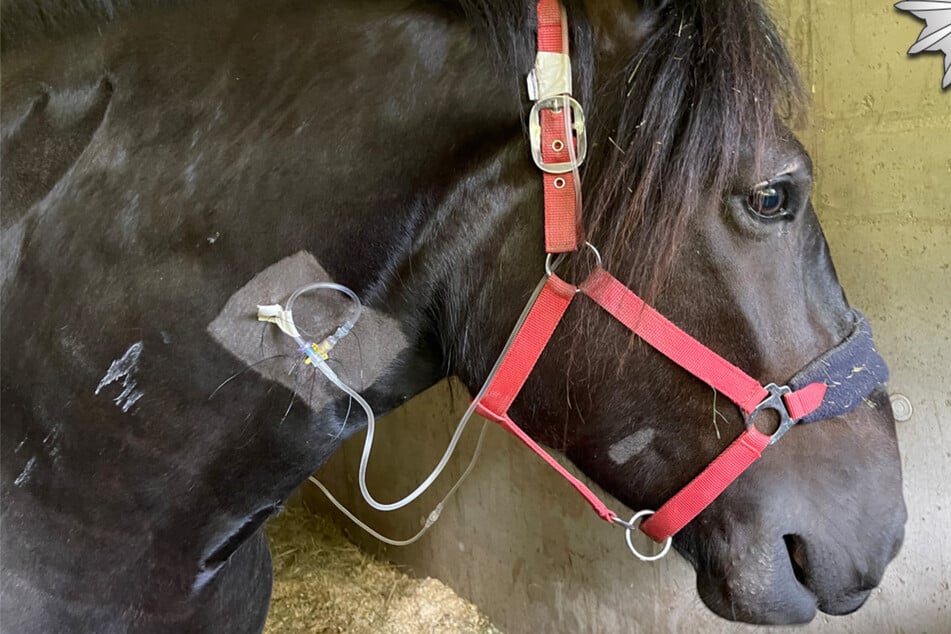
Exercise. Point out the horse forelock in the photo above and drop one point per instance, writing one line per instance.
(706, 88)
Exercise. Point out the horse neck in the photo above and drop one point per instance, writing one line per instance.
(394, 164)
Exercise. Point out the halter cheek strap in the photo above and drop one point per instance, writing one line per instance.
(556, 129)
(526, 348)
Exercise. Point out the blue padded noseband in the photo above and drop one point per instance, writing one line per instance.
(850, 371)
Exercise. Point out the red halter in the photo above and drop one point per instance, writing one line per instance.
(550, 134)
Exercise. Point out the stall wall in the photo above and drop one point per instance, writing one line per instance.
(519, 543)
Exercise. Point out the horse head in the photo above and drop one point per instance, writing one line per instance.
(698, 194)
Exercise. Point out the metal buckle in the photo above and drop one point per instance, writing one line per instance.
(556, 103)
(776, 403)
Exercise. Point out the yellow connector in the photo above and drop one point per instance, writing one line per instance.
(320, 349)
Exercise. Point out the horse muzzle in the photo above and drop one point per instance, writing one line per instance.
(812, 525)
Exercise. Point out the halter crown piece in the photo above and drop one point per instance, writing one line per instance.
(832, 385)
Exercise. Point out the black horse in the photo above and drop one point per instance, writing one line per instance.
(158, 156)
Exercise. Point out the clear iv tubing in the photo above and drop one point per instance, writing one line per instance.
(569, 132)
(343, 330)
(430, 519)
(322, 365)
(572, 155)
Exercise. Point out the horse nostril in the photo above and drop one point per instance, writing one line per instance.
(797, 556)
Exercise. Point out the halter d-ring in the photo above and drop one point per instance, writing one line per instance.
(551, 266)
(631, 525)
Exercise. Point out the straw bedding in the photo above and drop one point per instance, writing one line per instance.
(324, 584)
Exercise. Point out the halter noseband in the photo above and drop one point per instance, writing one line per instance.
(833, 384)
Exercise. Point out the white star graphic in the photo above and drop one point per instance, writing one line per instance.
(936, 36)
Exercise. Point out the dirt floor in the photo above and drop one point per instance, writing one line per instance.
(324, 584)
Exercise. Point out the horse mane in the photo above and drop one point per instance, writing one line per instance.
(705, 88)
(667, 129)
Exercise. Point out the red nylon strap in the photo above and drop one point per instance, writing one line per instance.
(672, 342)
(599, 507)
(561, 235)
(805, 400)
(550, 29)
(561, 207)
(539, 325)
(713, 370)
(524, 352)
(687, 352)
(704, 489)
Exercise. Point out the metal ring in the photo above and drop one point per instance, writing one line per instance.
(550, 267)
(597, 254)
(557, 145)
(559, 183)
(630, 525)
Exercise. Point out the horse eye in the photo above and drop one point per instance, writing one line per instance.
(768, 202)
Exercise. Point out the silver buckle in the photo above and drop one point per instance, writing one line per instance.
(776, 403)
(555, 104)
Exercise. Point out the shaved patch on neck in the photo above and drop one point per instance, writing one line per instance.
(630, 446)
(359, 359)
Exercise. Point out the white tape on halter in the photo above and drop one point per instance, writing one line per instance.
(550, 77)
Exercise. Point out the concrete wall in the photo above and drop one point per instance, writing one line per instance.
(518, 542)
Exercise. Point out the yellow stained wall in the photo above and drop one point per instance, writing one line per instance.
(519, 543)
(880, 126)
